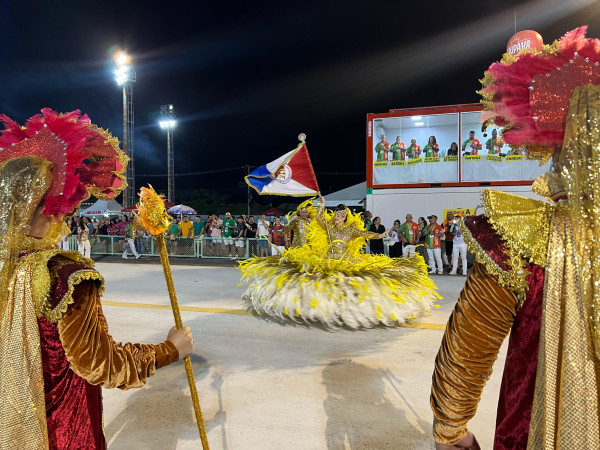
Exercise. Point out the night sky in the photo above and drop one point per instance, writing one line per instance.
(246, 77)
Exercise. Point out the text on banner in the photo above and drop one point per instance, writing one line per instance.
(514, 157)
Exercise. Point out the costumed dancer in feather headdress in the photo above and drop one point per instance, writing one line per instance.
(55, 349)
(298, 223)
(537, 273)
(329, 279)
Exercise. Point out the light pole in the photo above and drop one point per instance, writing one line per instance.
(125, 76)
(168, 122)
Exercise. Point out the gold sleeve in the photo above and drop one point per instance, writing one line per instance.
(95, 356)
(476, 329)
(368, 235)
(290, 226)
(320, 216)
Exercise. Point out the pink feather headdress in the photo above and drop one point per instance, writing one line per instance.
(529, 94)
(87, 159)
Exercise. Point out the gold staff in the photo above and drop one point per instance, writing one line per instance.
(153, 216)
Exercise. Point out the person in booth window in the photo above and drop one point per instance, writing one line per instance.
(432, 149)
(453, 150)
(382, 149)
(398, 150)
(471, 146)
(414, 151)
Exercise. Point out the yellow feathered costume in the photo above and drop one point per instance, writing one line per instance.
(331, 280)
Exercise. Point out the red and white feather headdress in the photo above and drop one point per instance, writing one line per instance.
(87, 159)
(529, 94)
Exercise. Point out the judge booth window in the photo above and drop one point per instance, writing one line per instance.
(415, 149)
(442, 145)
(488, 158)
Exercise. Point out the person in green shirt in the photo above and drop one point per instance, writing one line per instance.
(198, 226)
(229, 227)
(471, 146)
(382, 149)
(129, 234)
(173, 235)
(408, 232)
(398, 150)
(414, 150)
(432, 149)
(494, 145)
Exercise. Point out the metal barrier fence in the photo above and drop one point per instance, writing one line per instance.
(205, 247)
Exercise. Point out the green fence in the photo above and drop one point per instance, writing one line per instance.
(205, 247)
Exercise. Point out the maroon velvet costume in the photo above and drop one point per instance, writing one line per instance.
(79, 357)
(73, 406)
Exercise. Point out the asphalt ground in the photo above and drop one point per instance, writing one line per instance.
(266, 383)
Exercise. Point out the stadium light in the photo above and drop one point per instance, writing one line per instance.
(168, 122)
(125, 77)
(121, 58)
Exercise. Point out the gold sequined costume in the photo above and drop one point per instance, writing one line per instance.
(330, 280)
(298, 225)
(537, 273)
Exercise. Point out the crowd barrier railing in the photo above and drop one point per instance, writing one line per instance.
(203, 247)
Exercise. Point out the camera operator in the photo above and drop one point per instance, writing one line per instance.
(460, 249)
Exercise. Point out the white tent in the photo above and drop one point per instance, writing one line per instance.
(102, 208)
(353, 196)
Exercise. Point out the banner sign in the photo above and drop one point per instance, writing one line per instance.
(496, 158)
(414, 162)
(514, 157)
(397, 163)
(472, 157)
(380, 164)
(459, 212)
(432, 159)
(450, 158)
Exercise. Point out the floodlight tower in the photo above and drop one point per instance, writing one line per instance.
(168, 122)
(125, 76)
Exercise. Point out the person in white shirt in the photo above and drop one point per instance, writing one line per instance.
(263, 234)
(395, 244)
(459, 247)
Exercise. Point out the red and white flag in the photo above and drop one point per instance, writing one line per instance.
(291, 174)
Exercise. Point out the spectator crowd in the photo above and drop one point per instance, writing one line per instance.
(440, 244)
(427, 237)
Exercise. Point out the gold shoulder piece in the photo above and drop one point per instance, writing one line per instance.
(75, 278)
(41, 281)
(513, 272)
(523, 223)
(87, 273)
